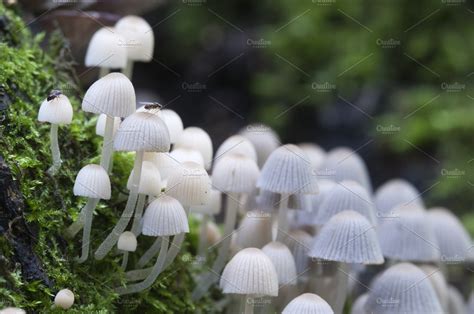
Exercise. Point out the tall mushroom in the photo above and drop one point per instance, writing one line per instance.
(396, 192)
(197, 139)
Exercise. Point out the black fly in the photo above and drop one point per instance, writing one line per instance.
(54, 94)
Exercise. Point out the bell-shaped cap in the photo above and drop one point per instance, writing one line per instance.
(250, 272)
(343, 164)
(308, 303)
(456, 301)
(236, 144)
(283, 261)
(263, 138)
(12, 310)
(358, 307)
(184, 154)
(112, 95)
(190, 184)
(212, 207)
(235, 173)
(92, 181)
(438, 282)
(348, 237)
(308, 217)
(346, 195)
(165, 216)
(396, 192)
(142, 131)
(402, 288)
(56, 111)
(64, 299)
(100, 125)
(150, 180)
(315, 153)
(408, 236)
(127, 242)
(452, 238)
(288, 171)
(197, 139)
(164, 162)
(106, 50)
(139, 38)
(173, 122)
(299, 243)
(255, 229)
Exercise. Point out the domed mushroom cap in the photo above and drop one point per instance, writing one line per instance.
(190, 184)
(308, 217)
(92, 181)
(197, 139)
(263, 138)
(348, 237)
(402, 289)
(142, 131)
(299, 243)
(438, 282)
(12, 310)
(237, 144)
(212, 207)
(112, 95)
(186, 154)
(165, 216)
(283, 261)
(235, 173)
(345, 164)
(100, 126)
(164, 162)
(173, 122)
(56, 111)
(139, 38)
(64, 299)
(315, 154)
(127, 242)
(453, 240)
(287, 170)
(255, 229)
(308, 303)
(396, 192)
(150, 180)
(358, 307)
(250, 272)
(106, 49)
(346, 195)
(456, 301)
(408, 236)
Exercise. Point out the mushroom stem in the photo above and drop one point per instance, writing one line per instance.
(138, 214)
(247, 304)
(121, 225)
(140, 274)
(86, 233)
(282, 218)
(108, 144)
(124, 260)
(148, 255)
(232, 205)
(128, 70)
(203, 236)
(77, 225)
(175, 245)
(56, 154)
(103, 72)
(155, 272)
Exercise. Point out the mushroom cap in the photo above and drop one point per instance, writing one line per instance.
(64, 299)
(438, 282)
(299, 243)
(284, 263)
(56, 111)
(139, 37)
(197, 139)
(164, 162)
(348, 237)
(235, 173)
(150, 180)
(100, 126)
(187, 154)
(408, 235)
(396, 192)
(308, 216)
(106, 49)
(402, 289)
(452, 238)
(190, 184)
(173, 122)
(455, 301)
(92, 181)
(213, 206)
(237, 144)
(346, 195)
(165, 216)
(263, 138)
(255, 229)
(12, 310)
(112, 95)
(308, 303)
(127, 242)
(250, 272)
(343, 163)
(287, 170)
(358, 307)
(315, 154)
(142, 131)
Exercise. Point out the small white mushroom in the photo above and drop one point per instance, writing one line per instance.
(197, 139)
(64, 299)
(308, 303)
(237, 144)
(263, 138)
(127, 242)
(12, 310)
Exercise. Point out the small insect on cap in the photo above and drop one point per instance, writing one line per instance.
(64, 299)
(107, 49)
(56, 109)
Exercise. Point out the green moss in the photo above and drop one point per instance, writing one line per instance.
(28, 74)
